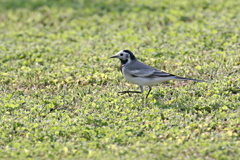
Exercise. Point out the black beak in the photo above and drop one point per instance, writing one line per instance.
(114, 57)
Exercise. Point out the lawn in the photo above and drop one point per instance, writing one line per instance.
(58, 86)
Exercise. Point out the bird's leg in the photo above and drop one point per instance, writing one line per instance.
(123, 92)
(150, 88)
(141, 91)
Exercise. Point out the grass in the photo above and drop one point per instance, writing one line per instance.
(58, 87)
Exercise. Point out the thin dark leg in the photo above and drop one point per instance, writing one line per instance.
(124, 92)
(141, 91)
(150, 88)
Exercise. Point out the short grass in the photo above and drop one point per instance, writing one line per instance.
(58, 86)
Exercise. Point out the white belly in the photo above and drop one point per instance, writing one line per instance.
(146, 81)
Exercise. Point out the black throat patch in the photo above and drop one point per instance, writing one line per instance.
(124, 61)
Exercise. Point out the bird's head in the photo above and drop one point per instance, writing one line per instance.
(125, 56)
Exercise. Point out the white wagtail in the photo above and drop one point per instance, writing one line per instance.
(141, 74)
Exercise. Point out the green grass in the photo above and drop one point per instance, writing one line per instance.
(58, 86)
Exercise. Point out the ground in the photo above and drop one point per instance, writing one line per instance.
(58, 86)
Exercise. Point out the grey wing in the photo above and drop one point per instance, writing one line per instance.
(158, 73)
(143, 70)
(150, 73)
(139, 69)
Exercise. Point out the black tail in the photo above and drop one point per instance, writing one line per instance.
(182, 78)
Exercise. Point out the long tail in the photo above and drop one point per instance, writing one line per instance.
(182, 78)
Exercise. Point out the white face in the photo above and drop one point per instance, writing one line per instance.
(125, 56)
(122, 55)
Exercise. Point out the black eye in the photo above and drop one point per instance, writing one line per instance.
(121, 54)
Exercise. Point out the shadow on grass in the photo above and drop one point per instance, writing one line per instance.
(97, 6)
(34, 4)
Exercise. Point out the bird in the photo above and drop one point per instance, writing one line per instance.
(142, 74)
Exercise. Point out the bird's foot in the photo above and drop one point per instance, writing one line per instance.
(124, 92)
